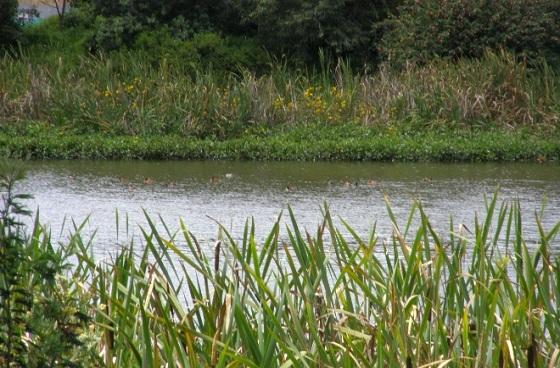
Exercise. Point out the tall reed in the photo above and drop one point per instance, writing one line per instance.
(125, 94)
(472, 298)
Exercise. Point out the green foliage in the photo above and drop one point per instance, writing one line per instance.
(50, 43)
(164, 12)
(119, 22)
(301, 143)
(296, 28)
(301, 28)
(202, 51)
(40, 317)
(15, 299)
(424, 30)
(115, 32)
(226, 54)
(9, 30)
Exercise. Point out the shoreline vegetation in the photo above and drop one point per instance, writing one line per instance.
(311, 143)
(123, 106)
(475, 296)
(271, 80)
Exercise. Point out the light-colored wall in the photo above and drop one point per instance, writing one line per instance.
(30, 2)
(44, 10)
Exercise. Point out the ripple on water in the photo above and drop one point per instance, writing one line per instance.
(202, 193)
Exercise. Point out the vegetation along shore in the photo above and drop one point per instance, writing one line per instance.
(309, 143)
(106, 80)
(492, 109)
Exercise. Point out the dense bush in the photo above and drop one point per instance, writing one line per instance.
(301, 28)
(119, 22)
(112, 33)
(203, 50)
(219, 13)
(41, 319)
(295, 28)
(8, 26)
(188, 32)
(453, 29)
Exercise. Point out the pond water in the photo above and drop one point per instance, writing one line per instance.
(202, 193)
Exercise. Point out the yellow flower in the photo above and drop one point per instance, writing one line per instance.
(308, 92)
(278, 103)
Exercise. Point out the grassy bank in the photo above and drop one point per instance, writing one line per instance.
(475, 296)
(309, 143)
(126, 94)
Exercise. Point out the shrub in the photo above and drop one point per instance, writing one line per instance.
(301, 28)
(199, 14)
(8, 27)
(112, 33)
(81, 15)
(205, 49)
(159, 43)
(227, 53)
(453, 29)
(115, 32)
(41, 319)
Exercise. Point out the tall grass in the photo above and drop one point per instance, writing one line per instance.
(125, 94)
(472, 298)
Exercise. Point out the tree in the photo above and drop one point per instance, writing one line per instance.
(118, 23)
(343, 27)
(455, 29)
(219, 13)
(9, 30)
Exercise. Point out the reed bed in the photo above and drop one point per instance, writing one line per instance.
(123, 93)
(476, 297)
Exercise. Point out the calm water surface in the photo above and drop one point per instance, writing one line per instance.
(202, 193)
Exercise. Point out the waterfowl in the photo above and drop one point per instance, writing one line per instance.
(290, 188)
(348, 184)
